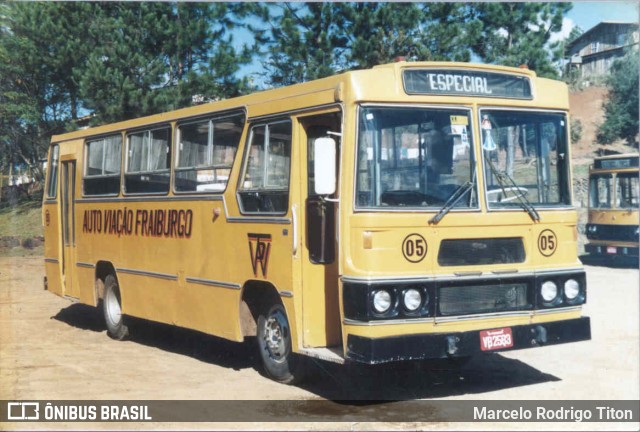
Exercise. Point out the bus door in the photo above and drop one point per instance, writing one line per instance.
(67, 228)
(319, 228)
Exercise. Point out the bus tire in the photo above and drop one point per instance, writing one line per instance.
(274, 342)
(112, 308)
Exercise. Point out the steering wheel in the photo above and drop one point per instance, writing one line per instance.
(403, 198)
(518, 192)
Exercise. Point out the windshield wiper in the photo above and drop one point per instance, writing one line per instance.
(456, 196)
(503, 180)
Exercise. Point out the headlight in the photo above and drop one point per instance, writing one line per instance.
(381, 301)
(549, 291)
(412, 299)
(571, 289)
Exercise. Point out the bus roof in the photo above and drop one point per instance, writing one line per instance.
(359, 85)
(617, 156)
(627, 161)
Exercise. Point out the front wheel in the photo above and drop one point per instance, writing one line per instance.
(112, 308)
(274, 342)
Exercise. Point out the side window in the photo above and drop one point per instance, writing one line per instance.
(627, 190)
(265, 181)
(148, 161)
(206, 151)
(52, 175)
(102, 166)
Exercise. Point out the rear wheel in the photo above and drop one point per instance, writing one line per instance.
(112, 308)
(274, 342)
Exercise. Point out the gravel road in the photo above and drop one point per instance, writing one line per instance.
(52, 349)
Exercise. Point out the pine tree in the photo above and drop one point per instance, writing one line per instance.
(39, 45)
(380, 32)
(303, 42)
(313, 40)
(153, 57)
(515, 34)
(62, 60)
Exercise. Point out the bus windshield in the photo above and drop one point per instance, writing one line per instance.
(414, 157)
(600, 190)
(530, 148)
(627, 185)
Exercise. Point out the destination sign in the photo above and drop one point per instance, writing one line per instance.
(627, 162)
(466, 83)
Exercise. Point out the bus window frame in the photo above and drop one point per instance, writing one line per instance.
(209, 118)
(85, 165)
(245, 162)
(125, 169)
(616, 196)
(568, 174)
(431, 209)
(606, 175)
(50, 173)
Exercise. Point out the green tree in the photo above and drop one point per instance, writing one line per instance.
(39, 45)
(302, 42)
(515, 34)
(152, 57)
(621, 106)
(379, 32)
(574, 34)
(449, 32)
(570, 74)
(313, 40)
(62, 60)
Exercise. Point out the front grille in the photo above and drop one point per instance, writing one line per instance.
(464, 252)
(485, 298)
(612, 232)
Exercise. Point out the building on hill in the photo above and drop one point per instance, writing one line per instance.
(593, 52)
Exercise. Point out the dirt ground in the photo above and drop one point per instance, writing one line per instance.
(52, 349)
(586, 106)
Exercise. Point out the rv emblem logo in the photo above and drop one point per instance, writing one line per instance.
(259, 248)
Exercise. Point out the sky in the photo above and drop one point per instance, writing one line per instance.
(586, 14)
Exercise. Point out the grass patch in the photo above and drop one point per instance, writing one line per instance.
(21, 228)
(22, 219)
(22, 252)
(581, 171)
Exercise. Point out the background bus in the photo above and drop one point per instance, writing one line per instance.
(613, 225)
(427, 218)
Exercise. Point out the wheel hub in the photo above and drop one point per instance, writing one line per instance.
(113, 308)
(275, 334)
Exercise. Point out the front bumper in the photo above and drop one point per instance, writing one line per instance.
(462, 344)
(596, 249)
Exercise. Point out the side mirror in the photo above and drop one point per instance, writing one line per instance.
(324, 165)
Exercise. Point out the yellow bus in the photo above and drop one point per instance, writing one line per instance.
(613, 225)
(411, 211)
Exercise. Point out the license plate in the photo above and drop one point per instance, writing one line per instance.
(496, 339)
(611, 249)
